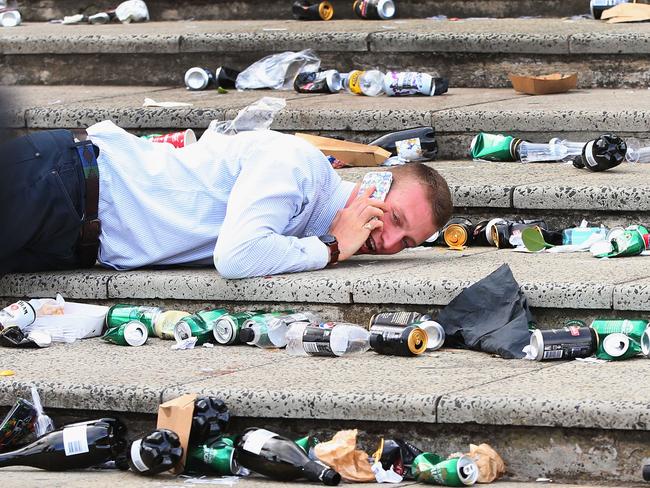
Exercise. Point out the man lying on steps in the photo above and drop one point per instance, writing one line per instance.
(256, 203)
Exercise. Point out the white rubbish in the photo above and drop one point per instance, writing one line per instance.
(40, 338)
(528, 351)
(188, 343)
(278, 71)
(132, 11)
(150, 102)
(385, 476)
(224, 480)
(258, 115)
(43, 423)
(74, 19)
(66, 321)
(10, 18)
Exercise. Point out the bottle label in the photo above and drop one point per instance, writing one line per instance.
(136, 459)
(75, 440)
(354, 82)
(255, 440)
(316, 341)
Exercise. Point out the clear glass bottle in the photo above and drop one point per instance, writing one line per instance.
(530, 152)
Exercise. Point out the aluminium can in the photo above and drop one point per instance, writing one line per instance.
(562, 344)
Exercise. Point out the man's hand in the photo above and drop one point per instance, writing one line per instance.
(352, 225)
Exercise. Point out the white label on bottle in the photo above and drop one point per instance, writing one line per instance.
(75, 440)
(136, 459)
(255, 441)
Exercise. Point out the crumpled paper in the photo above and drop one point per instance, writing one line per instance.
(342, 455)
(490, 465)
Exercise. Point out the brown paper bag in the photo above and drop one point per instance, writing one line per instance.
(490, 465)
(177, 415)
(342, 455)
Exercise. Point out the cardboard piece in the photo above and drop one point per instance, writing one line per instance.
(545, 84)
(627, 12)
(177, 415)
(351, 153)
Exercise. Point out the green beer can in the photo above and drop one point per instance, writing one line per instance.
(495, 147)
(218, 458)
(226, 328)
(199, 325)
(619, 339)
(132, 333)
(432, 469)
(122, 313)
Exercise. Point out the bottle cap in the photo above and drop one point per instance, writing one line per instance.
(246, 335)
(331, 477)
(441, 85)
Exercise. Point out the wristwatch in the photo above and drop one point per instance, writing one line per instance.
(333, 246)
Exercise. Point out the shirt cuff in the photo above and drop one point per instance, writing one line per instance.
(317, 252)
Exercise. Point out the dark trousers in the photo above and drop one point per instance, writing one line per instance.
(42, 191)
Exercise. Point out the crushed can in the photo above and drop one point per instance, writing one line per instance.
(217, 458)
(625, 341)
(123, 313)
(432, 469)
(132, 333)
(163, 325)
(199, 325)
(198, 78)
(310, 10)
(226, 328)
(226, 77)
(375, 9)
(571, 342)
(435, 333)
(328, 81)
(495, 147)
(645, 342)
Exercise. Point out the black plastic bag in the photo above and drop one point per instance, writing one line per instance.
(492, 315)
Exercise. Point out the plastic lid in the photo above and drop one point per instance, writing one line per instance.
(441, 85)
(246, 335)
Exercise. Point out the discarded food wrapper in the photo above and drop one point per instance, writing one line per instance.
(627, 12)
(78, 320)
(490, 465)
(176, 415)
(150, 102)
(385, 476)
(278, 71)
(342, 455)
(258, 115)
(352, 153)
(544, 84)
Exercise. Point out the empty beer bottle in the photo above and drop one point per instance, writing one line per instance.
(76, 446)
(279, 458)
(209, 420)
(158, 451)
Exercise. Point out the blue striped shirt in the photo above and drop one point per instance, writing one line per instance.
(254, 204)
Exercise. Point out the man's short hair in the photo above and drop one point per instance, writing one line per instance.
(435, 185)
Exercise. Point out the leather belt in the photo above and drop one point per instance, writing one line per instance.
(88, 243)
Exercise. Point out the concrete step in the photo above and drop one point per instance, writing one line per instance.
(29, 478)
(560, 193)
(477, 53)
(567, 421)
(44, 10)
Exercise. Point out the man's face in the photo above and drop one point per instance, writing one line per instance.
(408, 221)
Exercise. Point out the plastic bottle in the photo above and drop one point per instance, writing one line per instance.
(279, 326)
(369, 83)
(330, 339)
(573, 147)
(75, 446)
(635, 153)
(280, 458)
(530, 152)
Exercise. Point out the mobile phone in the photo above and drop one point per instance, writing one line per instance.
(381, 180)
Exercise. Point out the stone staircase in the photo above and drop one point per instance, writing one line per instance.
(570, 421)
